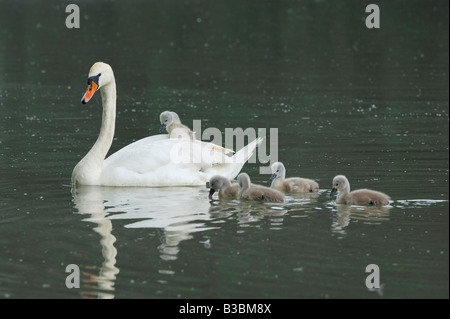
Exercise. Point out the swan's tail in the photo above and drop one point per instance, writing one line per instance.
(231, 168)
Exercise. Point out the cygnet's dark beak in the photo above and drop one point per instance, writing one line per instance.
(162, 128)
(273, 177)
(333, 190)
(211, 192)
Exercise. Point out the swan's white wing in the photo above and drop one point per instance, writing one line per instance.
(182, 132)
(160, 161)
(133, 146)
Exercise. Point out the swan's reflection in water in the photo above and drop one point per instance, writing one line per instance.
(175, 212)
(89, 200)
(344, 214)
(247, 213)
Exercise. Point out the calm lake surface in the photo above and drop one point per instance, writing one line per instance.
(370, 104)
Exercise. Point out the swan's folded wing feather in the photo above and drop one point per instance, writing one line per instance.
(158, 160)
(130, 149)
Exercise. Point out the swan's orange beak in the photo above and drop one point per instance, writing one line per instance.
(92, 87)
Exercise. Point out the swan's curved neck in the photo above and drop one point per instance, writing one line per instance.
(89, 169)
(282, 173)
(244, 184)
(105, 138)
(346, 188)
(344, 192)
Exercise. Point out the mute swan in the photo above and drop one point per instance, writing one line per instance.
(223, 185)
(257, 192)
(357, 197)
(292, 184)
(151, 161)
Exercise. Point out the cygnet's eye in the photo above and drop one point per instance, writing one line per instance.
(337, 184)
(278, 170)
(165, 120)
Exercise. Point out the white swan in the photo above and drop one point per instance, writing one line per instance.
(152, 161)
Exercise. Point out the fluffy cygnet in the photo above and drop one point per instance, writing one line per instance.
(250, 191)
(292, 184)
(171, 122)
(223, 186)
(357, 197)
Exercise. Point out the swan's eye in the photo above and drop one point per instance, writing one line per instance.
(94, 79)
(337, 184)
(165, 121)
(278, 170)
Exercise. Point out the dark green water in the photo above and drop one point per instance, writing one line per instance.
(370, 104)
